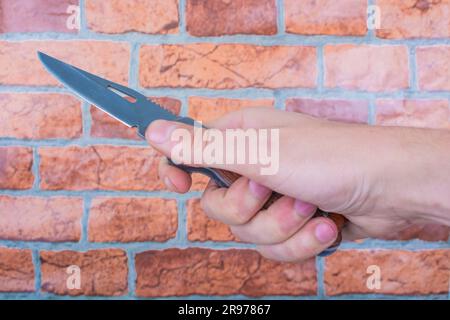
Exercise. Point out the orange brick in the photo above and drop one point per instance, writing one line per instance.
(326, 17)
(107, 59)
(337, 110)
(36, 15)
(105, 126)
(402, 19)
(413, 113)
(207, 109)
(119, 16)
(364, 67)
(99, 167)
(103, 272)
(202, 228)
(132, 220)
(39, 116)
(56, 219)
(16, 270)
(433, 64)
(218, 17)
(227, 66)
(402, 272)
(220, 272)
(15, 168)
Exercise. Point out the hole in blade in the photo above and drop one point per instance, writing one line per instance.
(123, 94)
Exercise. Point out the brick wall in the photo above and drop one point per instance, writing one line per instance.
(77, 188)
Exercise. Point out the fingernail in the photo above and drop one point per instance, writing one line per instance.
(304, 209)
(258, 190)
(160, 131)
(325, 233)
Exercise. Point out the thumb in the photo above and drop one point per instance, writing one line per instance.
(215, 148)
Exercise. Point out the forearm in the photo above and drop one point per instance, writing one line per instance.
(413, 173)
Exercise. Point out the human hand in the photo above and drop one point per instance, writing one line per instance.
(356, 170)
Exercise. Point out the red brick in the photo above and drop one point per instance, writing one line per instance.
(16, 270)
(326, 17)
(36, 15)
(107, 59)
(433, 68)
(207, 109)
(210, 272)
(99, 167)
(15, 168)
(365, 67)
(413, 113)
(227, 66)
(132, 220)
(414, 19)
(201, 228)
(199, 181)
(402, 272)
(103, 272)
(105, 126)
(55, 219)
(337, 110)
(119, 16)
(40, 116)
(218, 17)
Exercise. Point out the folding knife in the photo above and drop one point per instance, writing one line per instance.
(139, 113)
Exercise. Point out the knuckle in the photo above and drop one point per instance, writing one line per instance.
(235, 214)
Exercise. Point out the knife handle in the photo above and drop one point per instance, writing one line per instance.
(224, 179)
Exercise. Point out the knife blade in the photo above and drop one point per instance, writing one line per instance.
(105, 95)
(139, 112)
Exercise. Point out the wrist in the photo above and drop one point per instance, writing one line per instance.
(412, 174)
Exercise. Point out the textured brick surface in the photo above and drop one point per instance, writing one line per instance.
(16, 270)
(336, 110)
(202, 271)
(39, 116)
(330, 17)
(74, 178)
(433, 65)
(402, 272)
(227, 66)
(362, 67)
(132, 220)
(103, 272)
(105, 58)
(54, 219)
(414, 19)
(201, 228)
(414, 113)
(105, 126)
(119, 16)
(207, 109)
(99, 167)
(219, 17)
(36, 15)
(15, 168)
